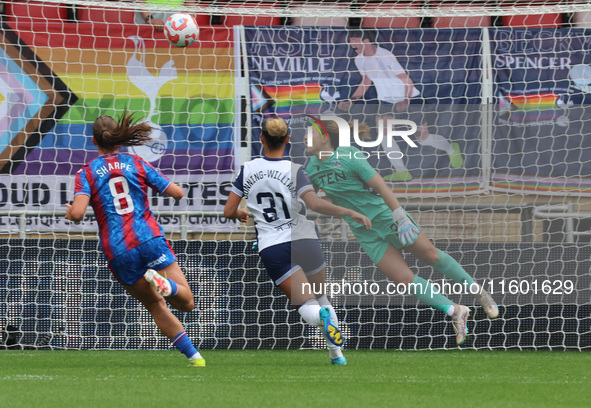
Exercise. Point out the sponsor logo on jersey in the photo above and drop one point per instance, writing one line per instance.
(158, 261)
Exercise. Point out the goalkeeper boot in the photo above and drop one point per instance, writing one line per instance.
(158, 282)
(331, 330)
(459, 320)
(488, 304)
(198, 362)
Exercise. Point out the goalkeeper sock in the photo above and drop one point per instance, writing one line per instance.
(333, 351)
(423, 290)
(184, 344)
(310, 312)
(450, 310)
(452, 269)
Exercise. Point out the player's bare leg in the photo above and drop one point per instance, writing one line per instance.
(174, 287)
(166, 321)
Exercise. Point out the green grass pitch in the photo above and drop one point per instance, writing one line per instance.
(305, 378)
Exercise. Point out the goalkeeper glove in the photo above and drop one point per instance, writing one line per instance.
(408, 232)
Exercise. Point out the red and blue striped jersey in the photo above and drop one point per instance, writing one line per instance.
(117, 185)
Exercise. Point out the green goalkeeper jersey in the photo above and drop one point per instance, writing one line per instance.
(343, 177)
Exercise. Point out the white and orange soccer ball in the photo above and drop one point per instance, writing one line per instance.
(181, 30)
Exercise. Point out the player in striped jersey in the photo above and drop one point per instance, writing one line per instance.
(277, 192)
(343, 173)
(115, 185)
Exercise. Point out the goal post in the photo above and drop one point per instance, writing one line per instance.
(500, 177)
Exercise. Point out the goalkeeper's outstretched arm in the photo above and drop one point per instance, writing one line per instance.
(315, 203)
(380, 186)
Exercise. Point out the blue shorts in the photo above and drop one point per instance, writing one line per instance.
(282, 260)
(130, 266)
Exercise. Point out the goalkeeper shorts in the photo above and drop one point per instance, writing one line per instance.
(383, 232)
(283, 260)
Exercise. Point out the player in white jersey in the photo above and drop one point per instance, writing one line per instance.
(394, 89)
(277, 192)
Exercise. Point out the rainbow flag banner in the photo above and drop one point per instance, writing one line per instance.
(295, 99)
(541, 185)
(539, 133)
(54, 84)
(534, 108)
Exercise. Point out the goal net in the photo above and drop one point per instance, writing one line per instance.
(497, 172)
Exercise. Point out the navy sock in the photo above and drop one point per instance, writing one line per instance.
(184, 344)
(174, 287)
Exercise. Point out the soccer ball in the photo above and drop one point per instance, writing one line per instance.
(181, 30)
